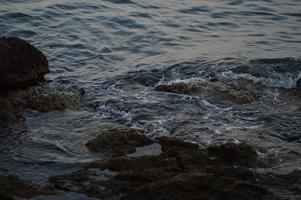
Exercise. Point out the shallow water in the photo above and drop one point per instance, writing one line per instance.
(120, 50)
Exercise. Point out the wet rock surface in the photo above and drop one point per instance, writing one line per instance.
(21, 67)
(41, 98)
(21, 63)
(12, 187)
(181, 171)
(118, 142)
(213, 88)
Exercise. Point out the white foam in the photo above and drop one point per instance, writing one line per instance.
(109, 111)
(184, 81)
(285, 80)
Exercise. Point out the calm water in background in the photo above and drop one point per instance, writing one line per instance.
(110, 47)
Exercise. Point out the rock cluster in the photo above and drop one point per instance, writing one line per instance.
(181, 171)
(22, 66)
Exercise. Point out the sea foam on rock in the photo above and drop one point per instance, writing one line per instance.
(213, 88)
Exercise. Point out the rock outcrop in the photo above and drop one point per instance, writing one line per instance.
(21, 64)
(181, 171)
(212, 89)
(21, 67)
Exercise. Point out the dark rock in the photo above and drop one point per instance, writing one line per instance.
(213, 80)
(41, 98)
(288, 185)
(181, 171)
(186, 153)
(233, 154)
(298, 85)
(12, 186)
(213, 89)
(197, 186)
(180, 88)
(118, 142)
(21, 64)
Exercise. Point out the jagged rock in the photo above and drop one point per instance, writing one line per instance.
(233, 154)
(213, 89)
(21, 64)
(42, 98)
(118, 142)
(12, 186)
(181, 171)
(180, 87)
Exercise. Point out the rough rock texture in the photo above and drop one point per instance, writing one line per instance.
(42, 98)
(232, 154)
(118, 142)
(212, 89)
(12, 186)
(181, 171)
(21, 64)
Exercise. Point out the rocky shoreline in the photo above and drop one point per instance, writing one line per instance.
(131, 165)
(136, 167)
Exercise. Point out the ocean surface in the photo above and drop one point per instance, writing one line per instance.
(119, 51)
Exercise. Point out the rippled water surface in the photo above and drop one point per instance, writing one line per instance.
(119, 51)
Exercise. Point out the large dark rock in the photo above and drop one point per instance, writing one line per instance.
(298, 84)
(21, 64)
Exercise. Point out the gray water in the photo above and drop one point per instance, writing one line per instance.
(119, 50)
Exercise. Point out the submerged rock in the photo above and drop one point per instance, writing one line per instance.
(47, 99)
(212, 89)
(21, 64)
(181, 171)
(180, 87)
(118, 142)
(42, 98)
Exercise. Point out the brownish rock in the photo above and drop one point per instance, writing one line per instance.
(118, 142)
